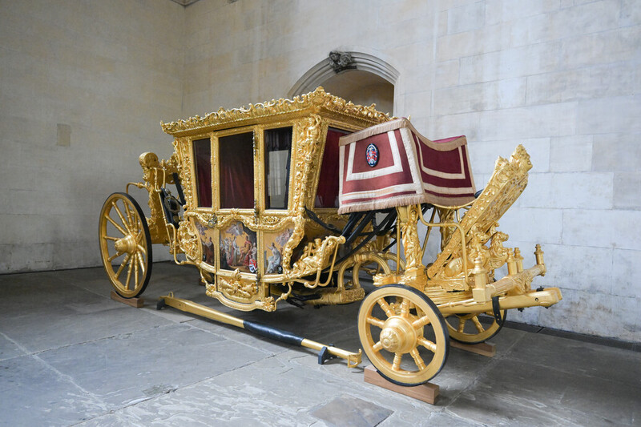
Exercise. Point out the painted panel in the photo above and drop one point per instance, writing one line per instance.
(273, 250)
(206, 235)
(238, 248)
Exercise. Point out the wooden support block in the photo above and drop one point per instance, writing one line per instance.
(483, 348)
(425, 392)
(134, 302)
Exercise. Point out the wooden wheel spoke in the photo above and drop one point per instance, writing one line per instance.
(417, 359)
(396, 364)
(386, 308)
(122, 218)
(131, 265)
(141, 261)
(115, 224)
(122, 265)
(377, 347)
(461, 324)
(419, 323)
(130, 215)
(141, 250)
(376, 322)
(114, 256)
(135, 262)
(477, 323)
(110, 238)
(405, 307)
(427, 344)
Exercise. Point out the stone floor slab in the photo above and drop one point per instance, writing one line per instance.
(416, 418)
(74, 322)
(33, 394)
(581, 358)
(351, 411)
(9, 349)
(133, 367)
(513, 393)
(270, 392)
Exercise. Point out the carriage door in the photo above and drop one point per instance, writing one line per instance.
(277, 166)
(238, 243)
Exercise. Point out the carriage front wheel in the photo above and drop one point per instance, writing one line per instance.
(403, 334)
(125, 245)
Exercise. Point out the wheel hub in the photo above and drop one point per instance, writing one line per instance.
(126, 244)
(398, 335)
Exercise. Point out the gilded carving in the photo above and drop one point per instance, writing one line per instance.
(154, 177)
(254, 222)
(309, 138)
(498, 253)
(189, 241)
(316, 256)
(409, 235)
(506, 184)
(236, 288)
(185, 168)
(317, 100)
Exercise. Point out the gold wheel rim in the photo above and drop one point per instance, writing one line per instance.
(124, 245)
(392, 326)
(468, 328)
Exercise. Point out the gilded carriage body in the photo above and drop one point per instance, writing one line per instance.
(292, 200)
(251, 178)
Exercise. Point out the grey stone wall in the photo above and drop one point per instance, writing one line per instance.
(83, 86)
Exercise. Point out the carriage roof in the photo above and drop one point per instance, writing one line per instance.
(316, 102)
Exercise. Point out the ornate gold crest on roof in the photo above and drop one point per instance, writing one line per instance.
(313, 101)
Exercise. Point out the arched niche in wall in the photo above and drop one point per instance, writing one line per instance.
(355, 76)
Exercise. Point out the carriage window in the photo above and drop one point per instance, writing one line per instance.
(278, 147)
(327, 193)
(202, 161)
(236, 162)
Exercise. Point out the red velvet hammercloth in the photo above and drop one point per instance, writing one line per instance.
(391, 165)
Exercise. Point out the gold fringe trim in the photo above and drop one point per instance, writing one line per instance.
(405, 201)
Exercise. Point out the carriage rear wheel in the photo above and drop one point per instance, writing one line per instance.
(468, 329)
(125, 245)
(403, 334)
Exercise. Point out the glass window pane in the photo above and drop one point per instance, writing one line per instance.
(327, 193)
(278, 148)
(237, 171)
(202, 161)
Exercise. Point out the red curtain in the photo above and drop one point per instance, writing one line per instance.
(327, 193)
(236, 161)
(202, 160)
